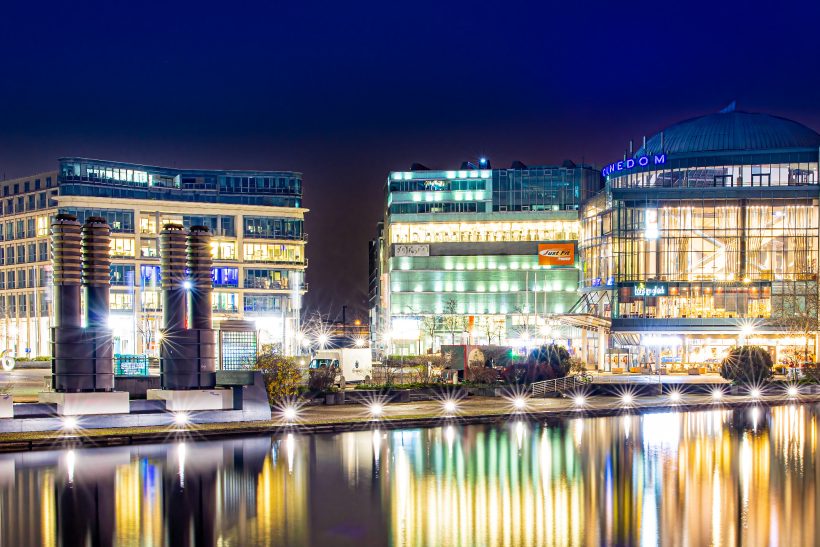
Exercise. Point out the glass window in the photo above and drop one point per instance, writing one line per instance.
(122, 247)
(150, 277)
(223, 250)
(224, 301)
(149, 248)
(225, 277)
(122, 275)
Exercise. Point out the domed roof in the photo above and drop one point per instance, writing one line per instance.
(731, 131)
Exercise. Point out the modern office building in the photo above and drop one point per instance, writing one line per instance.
(706, 237)
(477, 256)
(256, 218)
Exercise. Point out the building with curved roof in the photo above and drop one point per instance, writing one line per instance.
(705, 238)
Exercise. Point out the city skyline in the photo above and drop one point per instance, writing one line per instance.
(345, 96)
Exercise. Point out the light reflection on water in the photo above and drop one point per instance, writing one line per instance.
(717, 477)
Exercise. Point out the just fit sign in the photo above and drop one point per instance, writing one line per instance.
(556, 254)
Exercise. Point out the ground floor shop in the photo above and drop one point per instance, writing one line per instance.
(680, 352)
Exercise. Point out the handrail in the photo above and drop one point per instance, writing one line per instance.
(559, 385)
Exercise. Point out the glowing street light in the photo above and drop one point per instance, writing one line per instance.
(627, 399)
(520, 403)
(450, 406)
(376, 409)
(70, 423)
(579, 400)
(792, 391)
(755, 393)
(289, 413)
(181, 418)
(717, 394)
(675, 396)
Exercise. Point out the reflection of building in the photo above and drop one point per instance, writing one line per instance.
(258, 247)
(704, 238)
(476, 255)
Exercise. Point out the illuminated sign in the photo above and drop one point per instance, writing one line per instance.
(650, 289)
(631, 163)
(412, 250)
(556, 254)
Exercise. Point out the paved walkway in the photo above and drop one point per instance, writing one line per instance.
(500, 406)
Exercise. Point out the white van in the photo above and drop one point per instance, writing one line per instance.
(352, 363)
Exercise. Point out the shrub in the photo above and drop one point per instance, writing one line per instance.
(322, 378)
(282, 376)
(480, 374)
(544, 363)
(747, 365)
(577, 366)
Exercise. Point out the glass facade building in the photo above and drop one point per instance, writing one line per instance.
(707, 237)
(258, 246)
(459, 256)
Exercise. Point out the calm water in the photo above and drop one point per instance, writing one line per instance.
(702, 478)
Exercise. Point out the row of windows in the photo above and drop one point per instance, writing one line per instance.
(27, 186)
(25, 228)
(21, 254)
(120, 221)
(150, 276)
(31, 202)
(168, 194)
(272, 228)
(14, 304)
(436, 185)
(416, 208)
(22, 279)
(761, 175)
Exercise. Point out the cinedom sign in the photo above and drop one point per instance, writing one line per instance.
(631, 163)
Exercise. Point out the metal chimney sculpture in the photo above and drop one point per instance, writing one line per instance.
(187, 349)
(82, 355)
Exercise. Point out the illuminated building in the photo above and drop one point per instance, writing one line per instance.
(477, 255)
(256, 218)
(704, 238)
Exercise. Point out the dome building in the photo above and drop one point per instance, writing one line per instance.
(705, 238)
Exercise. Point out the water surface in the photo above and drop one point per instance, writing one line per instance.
(702, 478)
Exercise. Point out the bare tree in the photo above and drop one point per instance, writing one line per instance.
(430, 324)
(453, 322)
(797, 311)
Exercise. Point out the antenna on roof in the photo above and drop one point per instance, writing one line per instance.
(729, 108)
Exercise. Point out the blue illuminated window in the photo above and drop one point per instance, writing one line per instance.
(150, 277)
(225, 277)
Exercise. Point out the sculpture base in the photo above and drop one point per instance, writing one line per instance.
(81, 404)
(192, 399)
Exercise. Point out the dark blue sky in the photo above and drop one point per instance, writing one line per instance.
(346, 91)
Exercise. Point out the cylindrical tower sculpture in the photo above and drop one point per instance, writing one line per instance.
(67, 275)
(199, 275)
(172, 270)
(96, 271)
(187, 355)
(82, 355)
(199, 301)
(66, 234)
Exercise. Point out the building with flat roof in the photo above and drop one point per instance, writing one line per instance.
(258, 246)
(704, 238)
(477, 255)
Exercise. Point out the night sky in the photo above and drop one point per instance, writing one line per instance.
(346, 91)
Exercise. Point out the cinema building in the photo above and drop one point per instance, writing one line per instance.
(704, 238)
